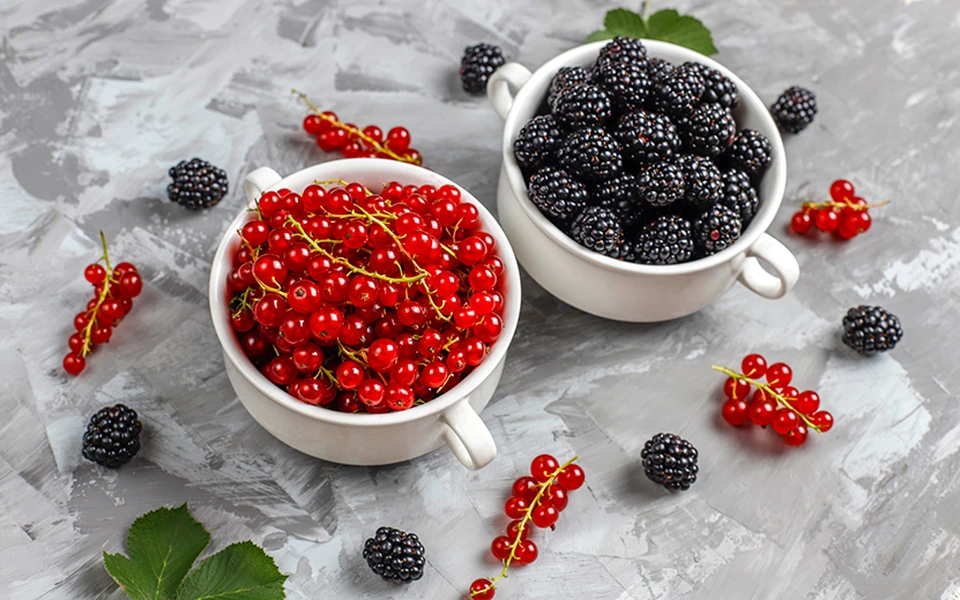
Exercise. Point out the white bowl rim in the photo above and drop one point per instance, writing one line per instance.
(750, 101)
(390, 171)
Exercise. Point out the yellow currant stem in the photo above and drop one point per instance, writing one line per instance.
(243, 303)
(267, 288)
(840, 205)
(340, 182)
(769, 391)
(326, 373)
(359, 356)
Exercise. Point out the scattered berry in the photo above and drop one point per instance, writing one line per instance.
(794, 109)
(395, 556)
(113, 436)
(477, 65)
(197, 184)
(670, 461)
(846, 214)
(871, 329)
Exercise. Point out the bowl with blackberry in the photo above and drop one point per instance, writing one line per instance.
(639, 179)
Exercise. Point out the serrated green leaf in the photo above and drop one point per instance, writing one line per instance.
(600, 35)
(241, 571)
(162, 546)
(670, 26)
(627, 23)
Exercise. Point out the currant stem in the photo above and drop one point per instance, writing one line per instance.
(769, 391)
(845, 204)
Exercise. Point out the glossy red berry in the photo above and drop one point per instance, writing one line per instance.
(526, 552)
(822, 420)
(571, 477)
(543, 467)
(73, 363)
(827, 220)
(735, 412)
(754, 366)
(515, 508)
(762, 413)
(841, 189)
(736, 389)
(785, 420)
(544, 515)
(779, 375)
(796, 437)
(526, 488)
(95, 274)
(501, 547)
(557, 497)
(801, 222)
(807, 402)
(482, 589)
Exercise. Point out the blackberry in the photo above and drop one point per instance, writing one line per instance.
(582, 105)
(113, 436)
(739, 195)
(871, 329)
(619, 194)
(661, 184)
(623, 50)
(566, 78)
(794, 109)
(536, 141)
(717, 228)
(680, 91)
(703, 182)
(647, 137)
(626, 251)
(708, 130)
(670, 461)
(598, 229)
(628, 84)
(557, 195)
(658, 68)
(197, 184)
(395, 556)
(590, 154)
(477, 65)
(750, 152)
(666, 241)
(717, 87)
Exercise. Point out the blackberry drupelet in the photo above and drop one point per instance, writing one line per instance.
(680, 91)
(667, 240)
(590, 154)
(647, 137)
(708, 130)
(871, 329)
(598, 229)
(716, 228)
(477, 65)
(566, 78)
(658, 68)
(197, 184)
(395, 556)
(661, 184)
(628, 84)
(582, 105)
(750, 152)
(794, 109)
(717, 87)
(621, 49)
(619, 194)
(739, 195)
(626, 250)
(113, 436)
(558, 195)
(670, 461)
(536, 141)
(703, 182)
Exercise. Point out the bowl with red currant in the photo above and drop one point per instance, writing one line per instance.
(364, 308)
(639, 179)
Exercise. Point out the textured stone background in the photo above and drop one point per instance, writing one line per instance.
(99, 97)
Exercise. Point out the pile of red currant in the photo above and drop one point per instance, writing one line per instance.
(791, 413)
(353, 142)
(538, 499)
(114, 289)
(362, 301)
(846, 214)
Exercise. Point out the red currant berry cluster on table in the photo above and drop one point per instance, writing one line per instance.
(791, 413)
(362, 301)
(354, 142)
(846, 214)
(114, 289)
(539, 499)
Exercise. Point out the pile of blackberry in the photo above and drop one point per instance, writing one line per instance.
(641, 160)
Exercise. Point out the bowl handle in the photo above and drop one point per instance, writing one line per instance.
(256, 182)
(468, 437)
(781, 260)
(498, 86)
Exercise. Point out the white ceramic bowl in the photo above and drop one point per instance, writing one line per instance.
(624, 291)
(366, 439)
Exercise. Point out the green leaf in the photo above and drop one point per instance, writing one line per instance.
(162, 546)
(600, 35)
(670, 26)
(241, 571)
(627, 23)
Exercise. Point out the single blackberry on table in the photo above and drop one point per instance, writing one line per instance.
(659, 68)
(536, 141)
(566, 78)
(703, 182)
(794, 109)
(582, 105)
(667, 240)
(598, 229)
(113, 436)
(739, 194)
(590, 154)
(621, 49)
(680, 91)
(558, 195)
(395, 556)
(750, 152)
(717, 87)
(647, 137)
(670, 461)
(661, 184)
(197, 184)
(708, 130)
(717, 228)
(620, 194)
(628, 84)
(871, 329)
(477, 65)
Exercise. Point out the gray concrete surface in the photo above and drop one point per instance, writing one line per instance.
(99, 97)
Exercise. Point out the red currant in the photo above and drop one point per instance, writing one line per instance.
(754, 366)
(827, 220)
(841, 190)
(481, 589)
(73, 363)
(95, 274)
(822, 420)
(762, 413)
(735, 412)
(544, 515)
(801, 222)
(796, 437)
(736, 389)
(807, 402)
(501, 547)
(526, 552)
(557, 497)
(515, 508)
(779, 375)
(785, 420)
(543, 467)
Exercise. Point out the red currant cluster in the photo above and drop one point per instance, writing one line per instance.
(536, 499)
(114, 289)
(847, 214)
(791, 413)
(354, 142)
(375, 301)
